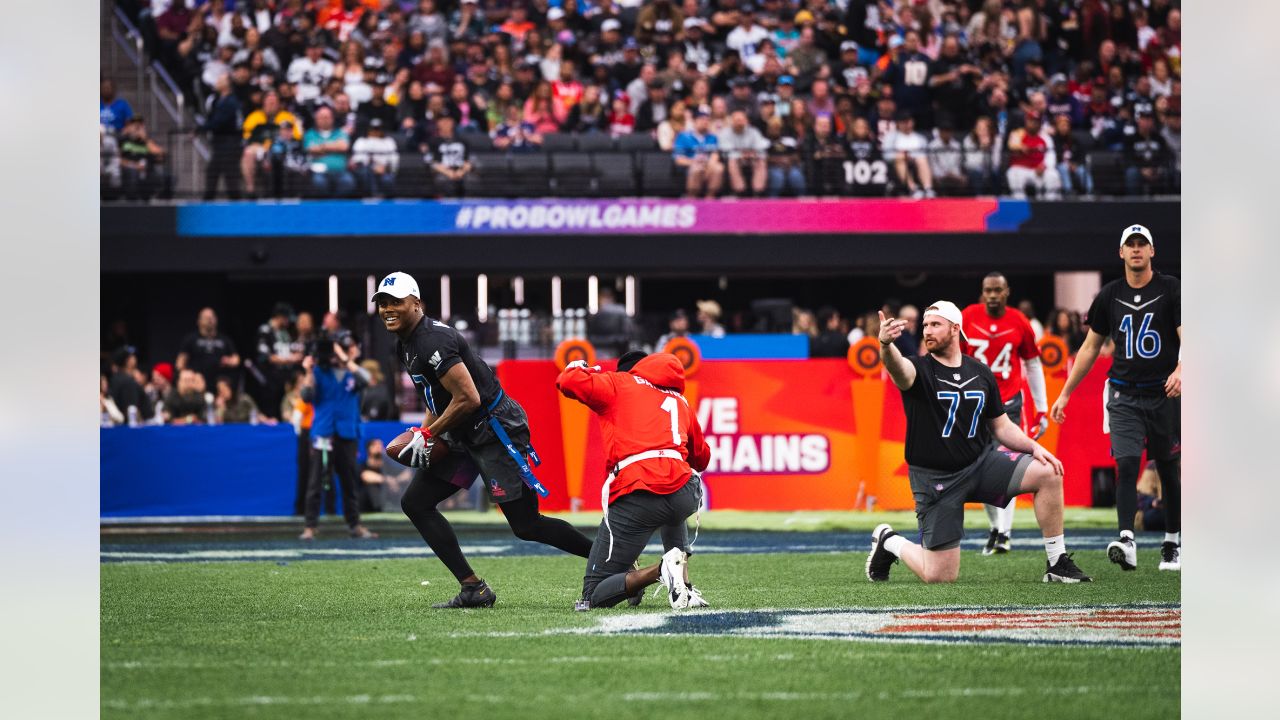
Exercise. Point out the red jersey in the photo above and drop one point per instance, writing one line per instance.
(642, 410)
(1033, 151)
(1001, 343)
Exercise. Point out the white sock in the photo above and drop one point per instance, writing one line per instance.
(1054, 547)
(1126, 534)
(1006, 518)
(993, 515)
(1174, 537)
(895, 545)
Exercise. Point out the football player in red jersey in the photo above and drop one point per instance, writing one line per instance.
(654, 448)
(1001, 337)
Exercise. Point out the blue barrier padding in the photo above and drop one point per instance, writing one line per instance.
(753, 346)
(196, 470)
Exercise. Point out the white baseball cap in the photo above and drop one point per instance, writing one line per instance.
(947, 310)
(610, 24)
(555, 14)
(398, 285)
(1136, 230)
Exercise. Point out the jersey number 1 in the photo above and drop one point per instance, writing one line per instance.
(673, 409)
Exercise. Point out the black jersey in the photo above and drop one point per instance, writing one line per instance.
(947, 412)
(432, 349)
(1144, 324)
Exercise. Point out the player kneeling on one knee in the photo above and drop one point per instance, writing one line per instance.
(953, 409)
(655, 450)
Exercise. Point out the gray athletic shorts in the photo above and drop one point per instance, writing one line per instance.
(994, 478)
(1153, 422)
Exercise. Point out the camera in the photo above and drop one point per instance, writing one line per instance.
(321, 348)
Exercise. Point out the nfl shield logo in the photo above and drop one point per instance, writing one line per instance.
(956, 376)
(939, 487)
(993, 327)
(1137, 298)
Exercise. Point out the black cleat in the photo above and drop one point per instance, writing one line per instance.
(879, 559)
(1064, 571)
(992, 537)
(1171, 556)
(1003, 544)
(472, 595)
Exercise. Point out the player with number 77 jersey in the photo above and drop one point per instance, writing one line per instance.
(654, 451)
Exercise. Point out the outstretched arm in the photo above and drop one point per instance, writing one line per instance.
(1085, 358)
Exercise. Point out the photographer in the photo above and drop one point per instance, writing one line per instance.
(333, 383)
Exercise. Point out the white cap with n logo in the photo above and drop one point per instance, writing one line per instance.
(398, 285)
(1136, 230)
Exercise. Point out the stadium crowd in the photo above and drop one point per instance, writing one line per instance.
(1049, 98)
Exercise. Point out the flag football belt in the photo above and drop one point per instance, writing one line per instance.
(608, 482)
(526, 473)
(1143, 388)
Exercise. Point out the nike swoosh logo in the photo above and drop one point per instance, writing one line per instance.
(958, 385)
(1138, 307)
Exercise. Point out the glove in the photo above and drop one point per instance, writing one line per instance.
(582, 364)
(1039, 425)
(418, 452)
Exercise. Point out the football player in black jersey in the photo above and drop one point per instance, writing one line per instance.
(1142, 313)
(485, 429)
(954, 410)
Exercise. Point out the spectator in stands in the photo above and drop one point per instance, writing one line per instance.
(953, 80)
(111, 414)
(376, 402)
(375, 159)
(232, 406)
(827, 153)
(709, 314)
(803, 322)
(1067, 328)
(1172, 135)
(677, 327)
(697, 152)
(186, 403)
(906, 150)
(157, 388)
(621, 121)
(125, 390)
(946, 159)
(378, 108)
(277, 357)
(786, 168)
(588, 115)
(668, 130)
(113, 111)
(286, 159)
(610, 328)
(744, 150)
(538, 110)
(982, 157)
(450, 160)
(516, 135)
(653, 111)
(833, 339)
(261, 128)
(207, 351)
(1026, 307)
(327, 147)
(223, 127)
(1032, 161)
(909, 76)
(108, 163)
(1147, 157)
(870, 174)
(143, 172)
(310, 72)
(909, 341)
(1062, 102)
(1071, 157)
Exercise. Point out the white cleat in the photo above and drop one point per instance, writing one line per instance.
(672, 576)
(695, 598)
(1171, 557)
(1124, 552)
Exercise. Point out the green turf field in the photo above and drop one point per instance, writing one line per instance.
(343, 639)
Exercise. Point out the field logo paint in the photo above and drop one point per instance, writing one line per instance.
(1143, 625)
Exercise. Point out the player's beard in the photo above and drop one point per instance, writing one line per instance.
(940, 347)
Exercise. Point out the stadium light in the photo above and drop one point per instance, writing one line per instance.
(556, 308)
(482, 298)
(517, 286)
(444, 297)
(593, 294)
(631, 295)
(333, 293)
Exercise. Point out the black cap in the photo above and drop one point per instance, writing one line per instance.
(282, 308)
(121, 356)
(629, 359)
(739, 81)
(375, 124)
(902, 115)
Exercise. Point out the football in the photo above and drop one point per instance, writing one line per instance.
(438, 449)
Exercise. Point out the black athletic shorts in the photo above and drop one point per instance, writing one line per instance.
(1138, 421)
(1013, 408)
(994, 478)
(475, 449)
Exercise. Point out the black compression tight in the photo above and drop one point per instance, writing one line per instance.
(1171, 492)
(528, 524)
(1127, 469)
(424, 494)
